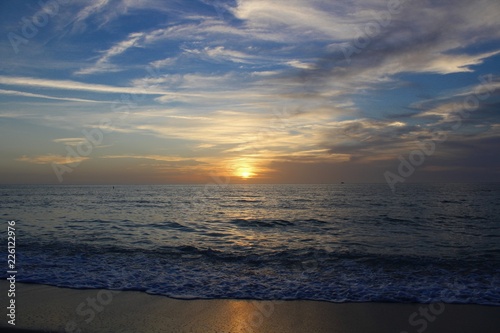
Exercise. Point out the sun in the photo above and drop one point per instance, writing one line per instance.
(245, 174)
(244, 169)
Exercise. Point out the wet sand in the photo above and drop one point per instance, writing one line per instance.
(41, 308)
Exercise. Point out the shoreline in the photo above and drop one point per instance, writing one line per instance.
(42, 308)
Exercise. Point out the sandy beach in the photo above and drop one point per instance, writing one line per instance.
(51, 309)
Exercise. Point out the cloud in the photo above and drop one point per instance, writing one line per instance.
(94, 7)
(457, 105)
(222, 54)
(103, 63)
(80, 86)
(71, 141)
(195, 28)
(163, 62)
(50, 158)
(300, 64)
(160, 158)
(314, 19)
(26, 94)
(447, 64)
(369, 139)
(167, 163)
(101, 12)
(430, 38)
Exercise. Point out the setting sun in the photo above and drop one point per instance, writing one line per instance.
(245, 172)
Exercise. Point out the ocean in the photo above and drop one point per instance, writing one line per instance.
(338, 242)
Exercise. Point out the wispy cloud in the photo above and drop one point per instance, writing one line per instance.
(94, 6)
(103, 63)
(105, 11)
(51, 158)
(79, 86)
(304, 18)
(71, 141)
(432, 41)
(26, 94)
(161, 158)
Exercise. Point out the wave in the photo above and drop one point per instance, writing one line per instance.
(188, 271)
(252, 223)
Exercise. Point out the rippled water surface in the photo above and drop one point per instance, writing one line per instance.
(326, 242)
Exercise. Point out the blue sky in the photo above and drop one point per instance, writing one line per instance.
(257, 91)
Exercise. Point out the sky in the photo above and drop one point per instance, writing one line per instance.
(249, 91)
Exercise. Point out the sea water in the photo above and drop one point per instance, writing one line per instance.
(337, 242)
